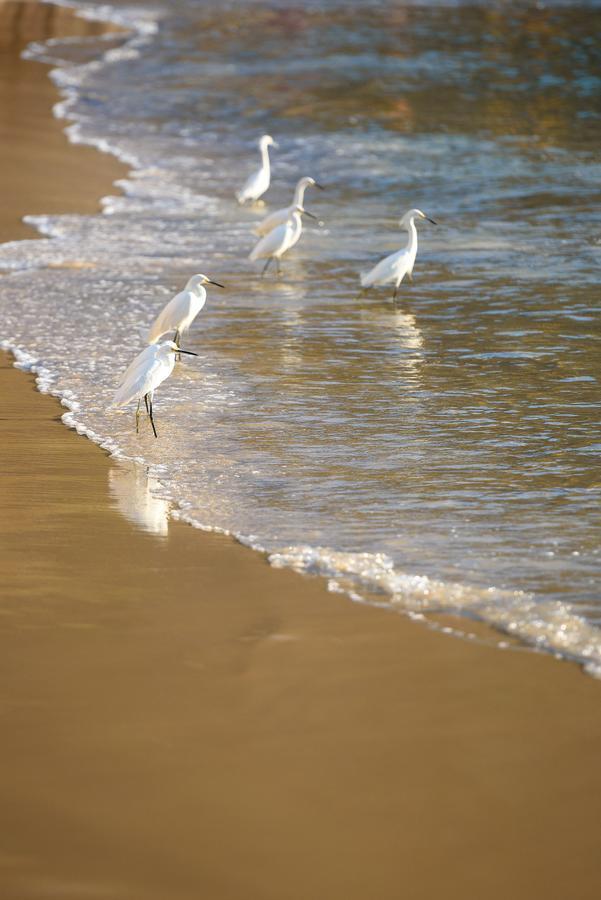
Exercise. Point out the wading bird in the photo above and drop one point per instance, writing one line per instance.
(258, 182)
(393, 268)
(144, 374)
(280, 215)
(281, 238)
(181, 310)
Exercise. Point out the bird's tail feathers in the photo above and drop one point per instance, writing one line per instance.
(117, 399)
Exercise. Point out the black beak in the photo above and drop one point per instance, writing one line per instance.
(320, 186)
(311, 216)
(216, 283)
(187, 352)
(431, 220)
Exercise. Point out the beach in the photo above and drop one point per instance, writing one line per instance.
(182, 720)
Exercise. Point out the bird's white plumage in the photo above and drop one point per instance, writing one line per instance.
(257, 183)
(181, 310)
(281, 238)
(142, 359)
(393, 268)
(280, 215)
(146, 372)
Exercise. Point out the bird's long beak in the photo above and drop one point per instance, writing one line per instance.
(311, 216)
(320, 186)
(428, 219)
(275, 144)
(216, 283)
(187, 352)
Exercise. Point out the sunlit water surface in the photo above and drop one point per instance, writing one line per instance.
(440, 453)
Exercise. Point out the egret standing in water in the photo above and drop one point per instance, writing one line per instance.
(281, 238)
(280, 215)
(181, 310)
(258, 182)
(144, 374)
(392, 269)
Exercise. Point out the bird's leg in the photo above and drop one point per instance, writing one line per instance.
(277, 264)
(395, 293)
(138, 418)
(266, 266)
(146, 404)
(176, 340)
(410, 277)
(151, 416)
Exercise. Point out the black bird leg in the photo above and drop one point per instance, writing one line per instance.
(151, 416)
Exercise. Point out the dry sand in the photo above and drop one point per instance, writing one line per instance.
(180, 721)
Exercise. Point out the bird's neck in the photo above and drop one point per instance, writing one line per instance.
(299, 194)
(412, 242)
(265, 156)
(294, 224)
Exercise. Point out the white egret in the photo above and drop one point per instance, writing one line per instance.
(393, 268)
(258, 182)
(181, 310)
(274, 244)
(144, 374)
(280, 215)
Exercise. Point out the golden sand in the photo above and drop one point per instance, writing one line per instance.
(180, 721)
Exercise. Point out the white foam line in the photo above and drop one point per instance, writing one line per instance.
(139, 24)
(371, 578)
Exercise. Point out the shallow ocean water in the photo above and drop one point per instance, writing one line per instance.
(441, 453)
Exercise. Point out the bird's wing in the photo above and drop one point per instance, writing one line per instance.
(169, 317)
(251, 186)
(142, 380)
(141, 359)
(270, 243)
(270, 222)
(388, 269)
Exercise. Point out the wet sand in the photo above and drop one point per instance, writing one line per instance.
(179, 720)
(36, 165)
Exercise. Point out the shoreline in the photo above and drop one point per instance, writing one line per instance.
(182, 719)
(25, 165)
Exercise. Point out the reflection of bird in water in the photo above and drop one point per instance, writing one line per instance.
(405, 326)
(392, 269)
(132, 491)
(280, 215)
(404, 341)
(256, 185)
(410, 346)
